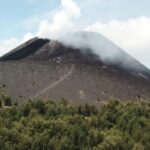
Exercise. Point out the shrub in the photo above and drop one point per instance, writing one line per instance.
(6, 100)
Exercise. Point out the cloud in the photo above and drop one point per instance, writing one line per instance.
(62, 21)
(7, 45)
(132, 35)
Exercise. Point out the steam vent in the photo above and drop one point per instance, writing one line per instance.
(42, 68)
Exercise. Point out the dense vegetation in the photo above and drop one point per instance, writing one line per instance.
(48, 125)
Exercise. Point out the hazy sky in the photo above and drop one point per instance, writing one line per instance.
(125, 22)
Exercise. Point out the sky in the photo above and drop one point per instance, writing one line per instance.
(125, 22)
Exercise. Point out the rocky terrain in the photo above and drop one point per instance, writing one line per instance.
(42, 68)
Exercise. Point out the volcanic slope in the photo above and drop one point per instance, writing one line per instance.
(80, 72)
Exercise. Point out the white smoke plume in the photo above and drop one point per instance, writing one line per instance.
(132, 35)
(107, 51)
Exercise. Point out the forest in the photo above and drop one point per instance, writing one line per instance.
(51, 125)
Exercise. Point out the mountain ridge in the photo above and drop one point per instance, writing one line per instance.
(55, 70)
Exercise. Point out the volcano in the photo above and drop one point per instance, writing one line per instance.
(83, 67)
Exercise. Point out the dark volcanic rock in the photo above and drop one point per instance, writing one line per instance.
(48, 69)
(25, 49)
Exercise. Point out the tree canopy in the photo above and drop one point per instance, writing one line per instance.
(49, 125)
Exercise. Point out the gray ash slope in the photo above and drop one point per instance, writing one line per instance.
(42, 68)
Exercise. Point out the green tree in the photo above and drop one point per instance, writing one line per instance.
(1, 105)
(6, 100)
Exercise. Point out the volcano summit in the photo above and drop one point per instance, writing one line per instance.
(81, 67)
